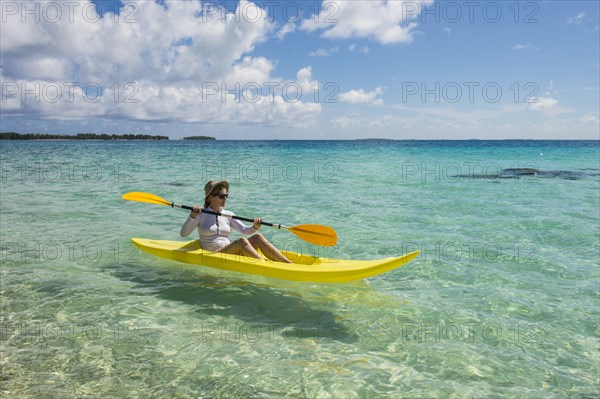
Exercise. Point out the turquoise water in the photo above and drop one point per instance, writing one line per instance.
(503, 301)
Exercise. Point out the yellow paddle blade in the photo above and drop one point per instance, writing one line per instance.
(316, 234)
(145, 197)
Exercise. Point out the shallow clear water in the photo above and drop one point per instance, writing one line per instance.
(502, 302)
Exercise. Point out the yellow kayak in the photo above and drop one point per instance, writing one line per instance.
(304, 268)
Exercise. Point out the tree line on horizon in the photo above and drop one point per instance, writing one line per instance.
(199, 138)
(79, 136)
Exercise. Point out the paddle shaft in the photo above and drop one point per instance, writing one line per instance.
(189, 208)
(313, 233)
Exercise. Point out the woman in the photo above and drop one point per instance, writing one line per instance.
(214, 230)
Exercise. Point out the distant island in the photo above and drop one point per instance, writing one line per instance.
(199, 138)
(80, 136)
(375, 139)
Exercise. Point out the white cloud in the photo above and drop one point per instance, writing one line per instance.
(360, 49)
(362, 97)
(453, 114)
(386, 22)
(577, 19)
(344, 122)
(361, 122)
(287, 28)
(305, 79)
(590, 118)
(324, 52)
(527, 46)
(382, 122)
(501, 121)
(595, 28)
(250, 70)
(542, 103)
(447, 30)
(178, 62)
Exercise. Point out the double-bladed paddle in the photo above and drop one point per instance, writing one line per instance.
(313, 233)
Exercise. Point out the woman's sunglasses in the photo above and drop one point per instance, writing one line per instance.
(222, 196)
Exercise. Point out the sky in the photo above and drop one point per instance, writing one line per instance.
(306, 69)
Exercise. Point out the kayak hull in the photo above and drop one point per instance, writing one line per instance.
(304, 268)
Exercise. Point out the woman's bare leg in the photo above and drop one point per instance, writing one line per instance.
(260, 242)
(242, 247)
